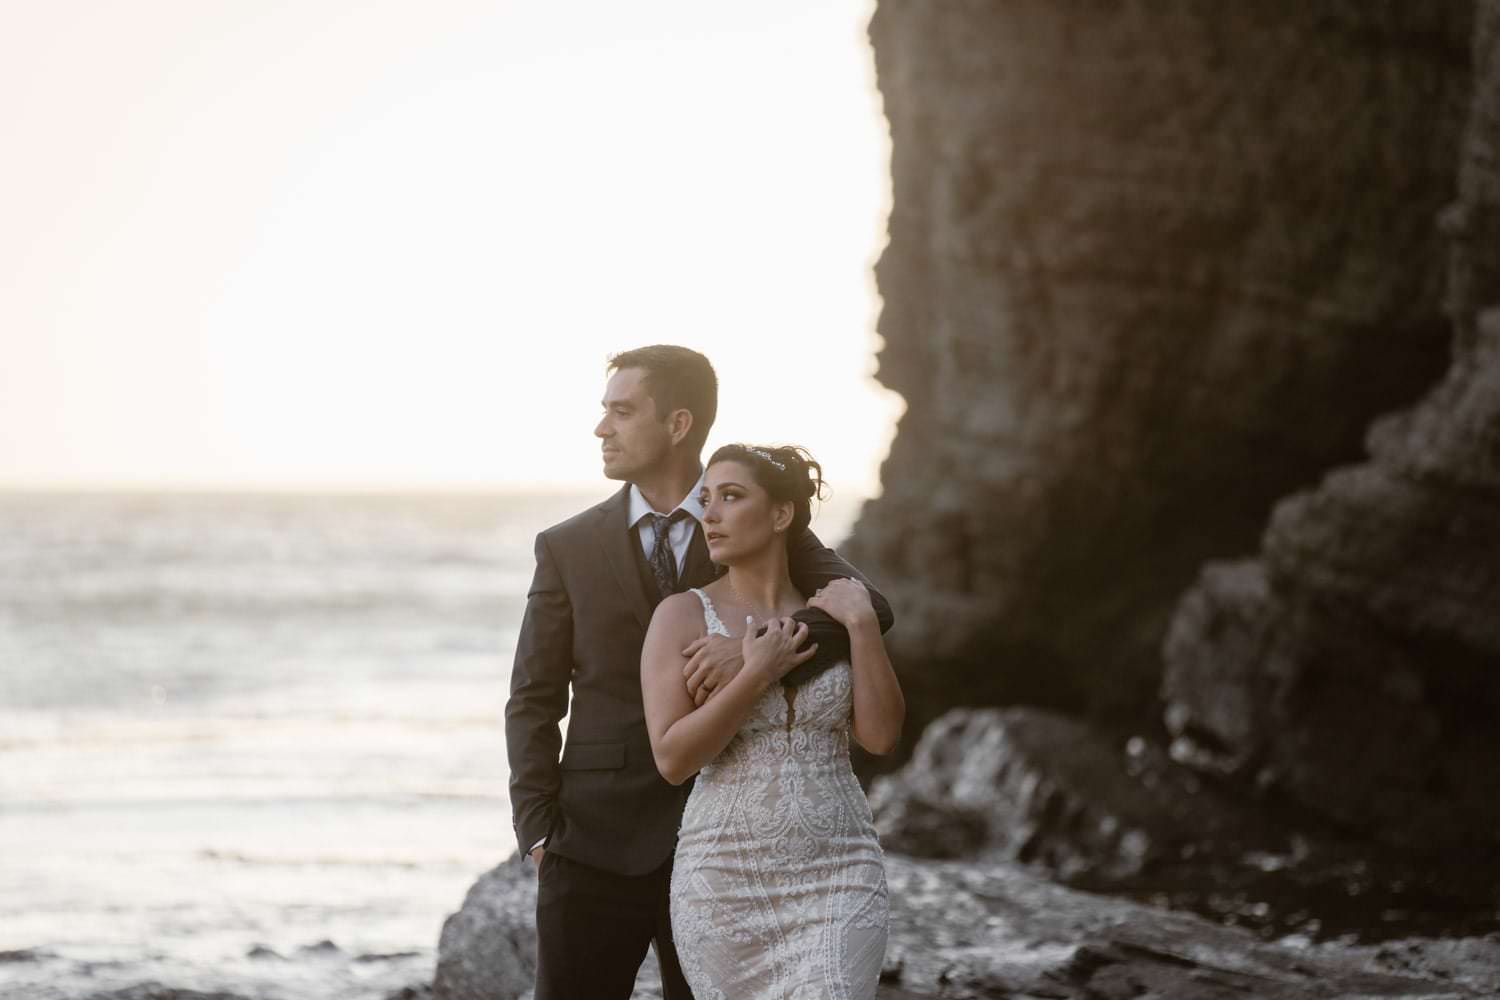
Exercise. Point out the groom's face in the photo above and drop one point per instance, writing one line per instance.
(632, 436)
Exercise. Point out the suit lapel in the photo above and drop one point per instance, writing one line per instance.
(698, 570)
(616, 538)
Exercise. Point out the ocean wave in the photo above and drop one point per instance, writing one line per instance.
(327, 861)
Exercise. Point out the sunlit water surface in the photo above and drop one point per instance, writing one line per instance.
(254, 743)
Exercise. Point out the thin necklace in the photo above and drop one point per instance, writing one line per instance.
(749, 604)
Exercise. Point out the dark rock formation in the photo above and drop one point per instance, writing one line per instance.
(1033, 786)
(1355, 665)
(1117, 814)
(487, 950)
(1151, 267)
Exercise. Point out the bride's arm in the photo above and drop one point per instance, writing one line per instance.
(879, 707)
(683, 737)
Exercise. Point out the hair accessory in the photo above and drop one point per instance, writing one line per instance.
(761, 453)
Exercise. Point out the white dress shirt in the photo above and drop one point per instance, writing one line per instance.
(680, 534)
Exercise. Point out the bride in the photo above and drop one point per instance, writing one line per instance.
(778, 887)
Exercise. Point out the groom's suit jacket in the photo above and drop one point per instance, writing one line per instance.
(599, 799)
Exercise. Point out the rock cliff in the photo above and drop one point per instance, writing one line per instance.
(1151, 268)
(1355, 664)
(1154, 272)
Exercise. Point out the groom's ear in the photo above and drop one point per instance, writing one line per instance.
(679, 424)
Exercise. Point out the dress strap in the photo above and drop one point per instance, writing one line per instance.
(710, 616)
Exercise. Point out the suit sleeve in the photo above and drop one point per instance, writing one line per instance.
(538, 700)
(813, 565)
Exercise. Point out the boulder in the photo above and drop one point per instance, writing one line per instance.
(487, 950)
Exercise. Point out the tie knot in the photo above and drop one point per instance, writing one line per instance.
(659, 521)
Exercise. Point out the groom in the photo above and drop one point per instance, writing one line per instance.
(593, 813)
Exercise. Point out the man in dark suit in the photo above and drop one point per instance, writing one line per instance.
(594, 814)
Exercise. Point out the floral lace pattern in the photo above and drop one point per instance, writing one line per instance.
(778, 888)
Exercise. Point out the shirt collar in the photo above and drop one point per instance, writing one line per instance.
(639, 507)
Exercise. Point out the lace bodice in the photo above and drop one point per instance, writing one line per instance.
(823, 703)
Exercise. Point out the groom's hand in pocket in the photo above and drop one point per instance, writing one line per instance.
(712, 663)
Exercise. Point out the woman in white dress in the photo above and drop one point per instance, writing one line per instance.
(778, 888)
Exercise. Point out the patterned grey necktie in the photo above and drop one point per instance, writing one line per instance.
(663, 560)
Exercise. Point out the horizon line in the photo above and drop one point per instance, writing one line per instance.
(189, 488)
(292, 488)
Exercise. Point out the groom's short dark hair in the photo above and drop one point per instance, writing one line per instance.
(677, 378)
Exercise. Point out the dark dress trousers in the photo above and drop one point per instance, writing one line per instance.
(606, 814)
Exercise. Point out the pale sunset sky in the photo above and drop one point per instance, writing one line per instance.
(365, 245)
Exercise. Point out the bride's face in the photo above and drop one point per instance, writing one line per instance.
(739, 517)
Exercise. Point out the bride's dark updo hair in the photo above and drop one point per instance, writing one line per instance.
(786, 472)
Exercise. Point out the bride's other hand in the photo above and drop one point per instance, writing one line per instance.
(847, 602)
(774, 652)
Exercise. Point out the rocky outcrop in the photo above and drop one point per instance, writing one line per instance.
(971, 929)
(487, 950)
(1117, 814)
(996, 930)
(1151, 267)
(1033, 786)
(1355, 665)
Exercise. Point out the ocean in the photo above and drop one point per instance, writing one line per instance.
(255, 743)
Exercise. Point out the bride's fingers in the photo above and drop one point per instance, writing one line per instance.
(800, 658)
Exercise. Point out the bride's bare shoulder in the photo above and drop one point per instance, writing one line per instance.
(678, 613)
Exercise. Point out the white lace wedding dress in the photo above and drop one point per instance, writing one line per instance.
(778, 888)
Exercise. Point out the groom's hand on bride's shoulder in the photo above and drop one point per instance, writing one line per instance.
(847, 602)
(712, 662)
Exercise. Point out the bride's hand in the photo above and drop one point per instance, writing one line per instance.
(847, 602)
(774, 652)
